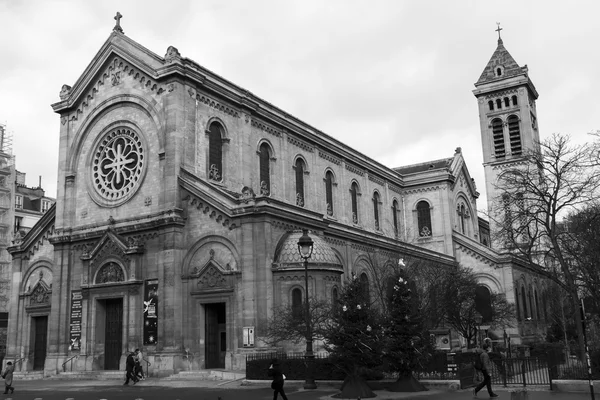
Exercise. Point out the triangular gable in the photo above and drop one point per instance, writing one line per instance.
(212, 276)
(102, 70)
(501, 57)
(458, 168)
(111, 245)
(41, 232)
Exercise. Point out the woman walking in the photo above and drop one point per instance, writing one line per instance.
(8, 377)
(278, 379)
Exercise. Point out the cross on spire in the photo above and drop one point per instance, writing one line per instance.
(498, 30)
(117, 27)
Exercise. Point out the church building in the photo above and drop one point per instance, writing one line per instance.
(181, 199)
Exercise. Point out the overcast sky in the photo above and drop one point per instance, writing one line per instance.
(392, 79)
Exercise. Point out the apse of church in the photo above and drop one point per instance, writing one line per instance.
(181, 199)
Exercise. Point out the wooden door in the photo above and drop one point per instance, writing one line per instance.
(113, 333)
(40, 329)
(215, 335)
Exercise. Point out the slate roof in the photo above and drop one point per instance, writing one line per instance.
(501, 57)
(423, 167)
(287, 252)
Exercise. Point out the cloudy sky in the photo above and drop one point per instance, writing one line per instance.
(393, 79)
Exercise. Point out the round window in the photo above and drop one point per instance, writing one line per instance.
(118, 164)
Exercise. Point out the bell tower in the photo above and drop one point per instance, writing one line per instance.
(507, 116)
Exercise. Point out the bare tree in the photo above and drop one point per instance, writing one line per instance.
(457, 300)
(289, 324)
(536, 195)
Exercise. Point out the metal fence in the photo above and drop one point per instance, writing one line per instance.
(437, 367)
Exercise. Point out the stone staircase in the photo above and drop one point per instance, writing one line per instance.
(207, 375)
(28, 375)
(201, 375)
(91, 375)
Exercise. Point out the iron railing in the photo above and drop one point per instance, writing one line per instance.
(70, 360)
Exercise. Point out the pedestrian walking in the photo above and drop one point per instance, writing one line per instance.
(486, 370)
(139, 371)
(129, 370)
(278, 379)
(7, 374)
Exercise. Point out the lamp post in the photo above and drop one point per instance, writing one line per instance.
(478, 319)
(305, 248)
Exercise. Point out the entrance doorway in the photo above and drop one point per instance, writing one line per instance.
(40, 332)
(113, 333)
(216, 335)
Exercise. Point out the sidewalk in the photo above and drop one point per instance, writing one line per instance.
(294, 389)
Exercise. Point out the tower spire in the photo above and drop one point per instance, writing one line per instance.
(498, 30)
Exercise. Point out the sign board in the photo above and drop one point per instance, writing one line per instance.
(75, 324)
(249, 336)
(151, 312)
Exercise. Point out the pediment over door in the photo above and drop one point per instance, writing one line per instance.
(39, 298)
(212, 278)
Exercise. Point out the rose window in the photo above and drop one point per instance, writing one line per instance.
(118, 164)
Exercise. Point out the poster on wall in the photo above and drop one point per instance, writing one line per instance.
(151, 312)
(75, 325)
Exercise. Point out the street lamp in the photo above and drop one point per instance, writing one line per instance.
(478, 320)
(305, 248)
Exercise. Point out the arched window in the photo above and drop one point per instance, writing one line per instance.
(506, 102)
(508, 222)
(524, 302)
(424, 218)
(545, 304)
(499, 71)
(334, 296)
(462, 214)
(517, 302)
(329, 192)
(265, 169)
(354, 200)
(491, 105)
(537, 305)
(364, 286)
(514, 134)
(215, 152)
(498, 137)
(530, 296)
(300, 200)
(395, 216)
(297, 303)
(376, 210)
(514, 101)
(499, 103)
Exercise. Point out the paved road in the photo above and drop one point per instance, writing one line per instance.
(157, 389)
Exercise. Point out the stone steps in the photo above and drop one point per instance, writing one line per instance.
(91, 375)
(207, 375)
(28, 375)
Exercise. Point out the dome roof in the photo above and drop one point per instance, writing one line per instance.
(322, 255)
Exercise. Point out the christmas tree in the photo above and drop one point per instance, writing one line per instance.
(407, 343)
(354, 342)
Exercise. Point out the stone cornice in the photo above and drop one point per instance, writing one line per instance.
(354, 169)
(212, 103)
(376, 179)
(299, 143)
(426, 189)
(329, 157)
(256, 123)
(162, 219)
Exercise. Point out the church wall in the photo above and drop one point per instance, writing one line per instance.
(29, 300)
(440, 237)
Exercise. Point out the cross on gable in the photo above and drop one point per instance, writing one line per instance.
(117, 27)
(498, 30)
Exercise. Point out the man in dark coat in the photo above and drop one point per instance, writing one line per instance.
(486, 371)
(278, 379)
(130, 368)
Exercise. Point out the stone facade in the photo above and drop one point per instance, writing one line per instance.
(171, 177)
